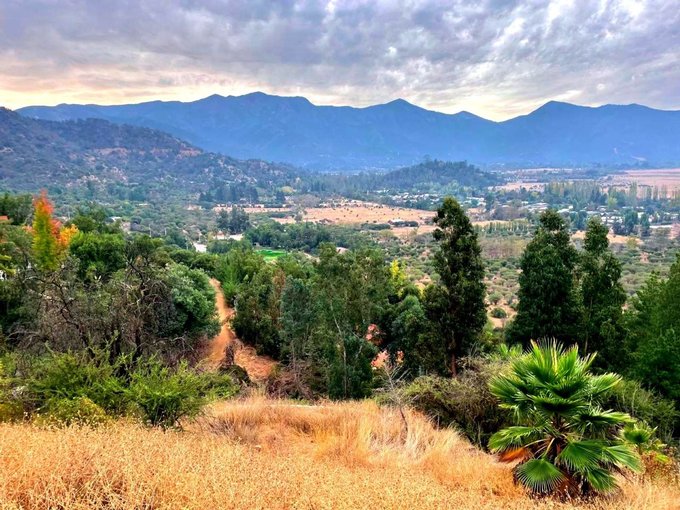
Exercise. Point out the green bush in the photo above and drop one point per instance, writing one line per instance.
(73, 411)
(498, 313)
(68, 388)
(660, 413)
(165, 395)
(465, 402)
(11, 408)
(70, 376)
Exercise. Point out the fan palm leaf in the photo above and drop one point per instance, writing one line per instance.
(539, 475)
(573, 444)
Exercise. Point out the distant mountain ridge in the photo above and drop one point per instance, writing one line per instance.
(398, 133)
(38, 153)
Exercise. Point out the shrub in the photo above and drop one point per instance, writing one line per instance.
(164, 395)
(11, 407)
(498, 313)
(73, 411)
(464, 402)
(495, 298)
(70, 376)
(660, 413)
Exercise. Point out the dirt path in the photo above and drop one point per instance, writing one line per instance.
(258, 367)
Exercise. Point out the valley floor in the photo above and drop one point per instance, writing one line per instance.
(261, 454)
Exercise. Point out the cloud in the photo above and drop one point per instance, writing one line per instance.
(497, 58)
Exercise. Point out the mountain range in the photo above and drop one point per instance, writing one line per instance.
(38, 153)
(295, 131)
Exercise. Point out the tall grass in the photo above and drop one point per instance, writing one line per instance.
(265, 454)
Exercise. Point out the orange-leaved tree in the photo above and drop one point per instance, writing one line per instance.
(50, 239)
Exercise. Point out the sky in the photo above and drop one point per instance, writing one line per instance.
(495, 58)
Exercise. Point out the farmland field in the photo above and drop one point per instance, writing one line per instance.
(668, 177)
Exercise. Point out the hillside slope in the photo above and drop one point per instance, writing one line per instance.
(35, 153)
(294, 130)
(279, 455)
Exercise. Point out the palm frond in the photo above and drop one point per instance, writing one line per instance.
(539, 475)
(622, 455)
(600, 479)
(603, 384)
(596, 419)
(637, 434)
(581, 456)
(513, 437)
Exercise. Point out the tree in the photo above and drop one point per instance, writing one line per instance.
(223, 220)
(645, 226)
(350, 373)
(239, 221)
(45, 246)
(415, 338)
(194, 302)
(298, 320)
(456, 306)
(99, 255)
(50, 240)
(548, 305)
(653, 341)
(602, 297)
(257, 307)
(566, 443)
(630, 220)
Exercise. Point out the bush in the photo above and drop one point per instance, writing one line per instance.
(75, 411)
(498, 313)
(660, 413)
(69, 377)
(66, 388)
(11, 408)
(465, 402)
(164, 395)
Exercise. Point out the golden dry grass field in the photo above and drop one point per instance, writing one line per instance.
(355, 212)
(262, 454)
(668, 177)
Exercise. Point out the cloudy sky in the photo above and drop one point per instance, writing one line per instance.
(496, 58)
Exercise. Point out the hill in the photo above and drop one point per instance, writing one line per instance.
(437, 172)
(398, 133)
(276, 454)
(35, 153)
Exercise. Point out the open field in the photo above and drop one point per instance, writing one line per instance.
(668, 177)
(353, 212)
(271, 255)
(357, 212)
(258, 454)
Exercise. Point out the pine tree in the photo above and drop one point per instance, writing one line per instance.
(456, 305)
(602, 297)
(548, 305)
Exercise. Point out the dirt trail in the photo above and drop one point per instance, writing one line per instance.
(258, 367)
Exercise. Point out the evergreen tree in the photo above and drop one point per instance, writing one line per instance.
(653, 340)
(548, 306)
(456, 305)
(602, 297)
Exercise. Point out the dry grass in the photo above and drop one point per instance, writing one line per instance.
(669, 177)
(356, 212)
(264, 454)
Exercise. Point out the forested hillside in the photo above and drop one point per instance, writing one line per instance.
(114, 157)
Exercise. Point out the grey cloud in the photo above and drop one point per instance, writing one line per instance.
(495, 58)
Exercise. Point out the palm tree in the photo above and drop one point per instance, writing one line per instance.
(567, 443)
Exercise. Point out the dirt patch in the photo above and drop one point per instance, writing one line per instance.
(258, 367)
